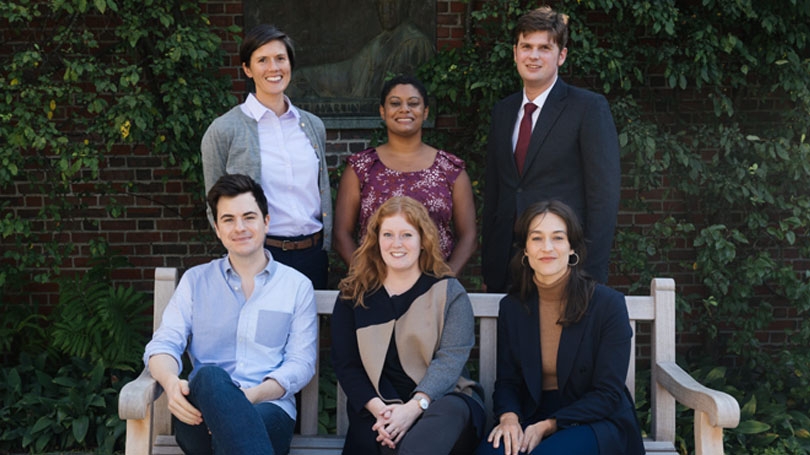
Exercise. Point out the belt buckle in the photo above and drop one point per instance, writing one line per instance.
(284, 244)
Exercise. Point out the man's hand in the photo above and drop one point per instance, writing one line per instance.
(179, 406)
(165, 371)
(268, 390)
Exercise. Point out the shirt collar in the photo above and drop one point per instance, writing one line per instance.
(541, 98)
(269, 269)
(256, 110)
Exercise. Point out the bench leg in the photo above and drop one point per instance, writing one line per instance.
(139, 435)
(708, 438)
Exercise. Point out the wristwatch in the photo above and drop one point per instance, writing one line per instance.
(423, 403)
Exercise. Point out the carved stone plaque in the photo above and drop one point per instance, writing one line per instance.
(345, 48)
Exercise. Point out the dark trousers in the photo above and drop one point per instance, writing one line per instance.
(231, 423)
(445, 428)
(312, 262)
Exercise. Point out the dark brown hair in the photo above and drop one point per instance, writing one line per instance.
(544, 19)
(579, 289)
(232, 185)
(260, 35)
(403, 79)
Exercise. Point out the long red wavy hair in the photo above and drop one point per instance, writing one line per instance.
(368, 270)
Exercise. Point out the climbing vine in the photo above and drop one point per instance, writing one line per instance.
(712, 103)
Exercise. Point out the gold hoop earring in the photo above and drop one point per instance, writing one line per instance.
(575, 262)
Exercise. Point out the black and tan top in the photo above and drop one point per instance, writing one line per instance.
(432, 329)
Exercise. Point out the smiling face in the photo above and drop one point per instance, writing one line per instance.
(538, 59)
(548, 248)
(404, 110)
(240, 225)
(270, 70)
(400, 244)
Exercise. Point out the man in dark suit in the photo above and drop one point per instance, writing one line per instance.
(568, 151)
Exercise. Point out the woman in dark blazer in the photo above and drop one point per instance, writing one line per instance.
(563, 349)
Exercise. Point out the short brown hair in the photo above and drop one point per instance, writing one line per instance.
(544, 19)
(260, 35)
(232, 185)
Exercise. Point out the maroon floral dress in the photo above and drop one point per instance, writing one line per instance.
(433, 187)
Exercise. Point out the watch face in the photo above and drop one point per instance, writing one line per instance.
(423, 403)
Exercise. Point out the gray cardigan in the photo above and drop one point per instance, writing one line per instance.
(231, 146)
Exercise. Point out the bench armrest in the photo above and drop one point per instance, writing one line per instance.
(722, 409)
(137, 395)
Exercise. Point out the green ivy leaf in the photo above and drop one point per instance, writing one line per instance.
(752, 427)
(41, 424)
(80, 426)
(750, 407)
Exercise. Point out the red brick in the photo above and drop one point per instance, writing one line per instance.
(458, 7)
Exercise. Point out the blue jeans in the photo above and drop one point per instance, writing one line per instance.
(580, 440)
(231, 423)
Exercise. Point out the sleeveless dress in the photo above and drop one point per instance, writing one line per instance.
(433, 187)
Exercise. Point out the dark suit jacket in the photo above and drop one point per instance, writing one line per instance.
(591, 368)
(573, 156)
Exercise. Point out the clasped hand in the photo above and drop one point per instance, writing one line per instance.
(393, 421)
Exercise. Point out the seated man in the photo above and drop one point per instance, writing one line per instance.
(250, 326)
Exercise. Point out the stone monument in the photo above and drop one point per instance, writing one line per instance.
(345, 50)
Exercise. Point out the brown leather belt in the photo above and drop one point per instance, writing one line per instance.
(298, 244)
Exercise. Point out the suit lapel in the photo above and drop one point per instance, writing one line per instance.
(570, 339)
(551, 110)
(530, 356)
(507, 123)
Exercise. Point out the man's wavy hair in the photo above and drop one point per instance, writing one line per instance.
(541, 20)
(368, 270)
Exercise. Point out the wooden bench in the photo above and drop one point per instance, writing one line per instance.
(149, 423)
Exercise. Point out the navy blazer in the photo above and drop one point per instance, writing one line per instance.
(573, 156)
(592, 363)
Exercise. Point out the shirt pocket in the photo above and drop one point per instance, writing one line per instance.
(272, 328)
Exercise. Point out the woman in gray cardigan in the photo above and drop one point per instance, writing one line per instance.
(282, 147)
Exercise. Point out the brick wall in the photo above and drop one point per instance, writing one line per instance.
(164, 224)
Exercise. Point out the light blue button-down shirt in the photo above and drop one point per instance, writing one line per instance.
(274, 334)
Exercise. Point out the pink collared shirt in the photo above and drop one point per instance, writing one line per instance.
(289, 170)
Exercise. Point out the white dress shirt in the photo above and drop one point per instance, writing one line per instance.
(539, 101)
(289, 170)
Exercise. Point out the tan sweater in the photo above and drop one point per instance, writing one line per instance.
(551, 310)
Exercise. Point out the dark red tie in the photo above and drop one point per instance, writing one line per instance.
(524, 135)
